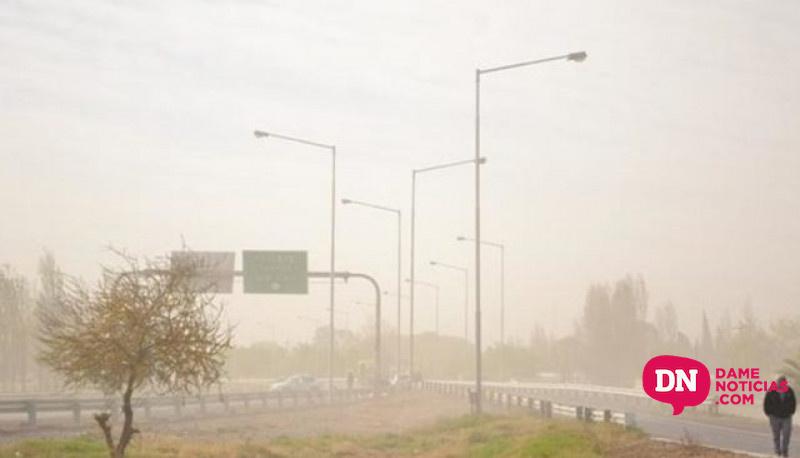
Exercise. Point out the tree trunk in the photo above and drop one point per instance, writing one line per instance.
(102, 420)
(127, 426)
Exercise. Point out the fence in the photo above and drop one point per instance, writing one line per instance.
(76, 407)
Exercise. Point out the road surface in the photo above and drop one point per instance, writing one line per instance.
(733, 436)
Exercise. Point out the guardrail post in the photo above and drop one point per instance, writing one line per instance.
(588, 414)
(607, 415)
(111, 405)
(473, 401)
(630, 420)
(579, 412)
(30, 406)
(713, 407)
(76, 412)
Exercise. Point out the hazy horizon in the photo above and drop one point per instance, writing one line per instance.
(670, 153)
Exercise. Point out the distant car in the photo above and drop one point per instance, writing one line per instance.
(401, 381)
(296, 383)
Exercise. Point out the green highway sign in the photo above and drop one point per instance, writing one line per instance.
(275, 272)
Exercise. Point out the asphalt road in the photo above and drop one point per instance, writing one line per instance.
(736, 437)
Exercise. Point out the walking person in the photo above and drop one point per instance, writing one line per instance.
(779, 407)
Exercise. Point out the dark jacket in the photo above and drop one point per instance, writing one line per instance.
(775, 407)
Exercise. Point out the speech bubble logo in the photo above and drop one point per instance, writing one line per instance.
(675, 380)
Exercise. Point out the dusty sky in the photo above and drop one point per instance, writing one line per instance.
(672, 152)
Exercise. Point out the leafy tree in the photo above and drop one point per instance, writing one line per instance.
(706, 347)
(50, 297)
(143, 326)
(566, 355)
(750, 345)
(669, 338)
(15, 302)
(792, 368)
(598, 333)
(614, 324)
(666, 321)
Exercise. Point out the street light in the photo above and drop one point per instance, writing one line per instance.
(436, 288)
(332, 149)
(399, 259)
(574, 57)
(502, 248)
(477, 161)
(466, 292)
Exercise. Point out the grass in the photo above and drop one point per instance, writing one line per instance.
(478, 437)
(82, 447)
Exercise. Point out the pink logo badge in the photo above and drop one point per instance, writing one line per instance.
(677, 381)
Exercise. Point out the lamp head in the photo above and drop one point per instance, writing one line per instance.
(260, 134)
(346, 201)
(461, 238)
(433, 263)
(577, 56)
(482, 160)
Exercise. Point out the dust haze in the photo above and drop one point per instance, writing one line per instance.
(646, 200)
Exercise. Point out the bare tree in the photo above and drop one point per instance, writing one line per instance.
(143, 326)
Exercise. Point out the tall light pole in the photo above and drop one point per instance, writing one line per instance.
(575, 57)
(399, 214)
(478, 161)
(332, 149)
(399, 297)
(502, 248)
(465, 271)
(435, 287)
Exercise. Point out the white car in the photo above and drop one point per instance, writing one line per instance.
(296, 383)
(401, 382)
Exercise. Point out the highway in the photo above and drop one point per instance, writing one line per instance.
(695, 426)
(744, 436)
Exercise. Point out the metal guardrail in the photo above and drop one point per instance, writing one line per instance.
(506, 396)
(268, 399)
(628, 396)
